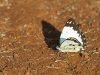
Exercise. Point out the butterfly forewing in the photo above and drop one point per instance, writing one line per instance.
(69, 34)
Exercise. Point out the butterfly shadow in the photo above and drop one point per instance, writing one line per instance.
(51, 34)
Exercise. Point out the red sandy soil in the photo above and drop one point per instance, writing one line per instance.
(30, 30)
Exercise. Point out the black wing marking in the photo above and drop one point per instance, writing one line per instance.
(72, 23)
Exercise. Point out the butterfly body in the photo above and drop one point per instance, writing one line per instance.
(71, 38)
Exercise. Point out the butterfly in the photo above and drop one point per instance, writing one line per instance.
(71, 38)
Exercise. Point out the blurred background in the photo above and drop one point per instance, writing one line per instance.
(30, 30)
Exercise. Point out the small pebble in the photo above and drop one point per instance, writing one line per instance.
(3, 34)
(98, 49)
(86, 55)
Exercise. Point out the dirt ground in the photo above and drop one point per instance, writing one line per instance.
(30, 30)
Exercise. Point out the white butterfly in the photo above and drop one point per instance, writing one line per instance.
(71, 38)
